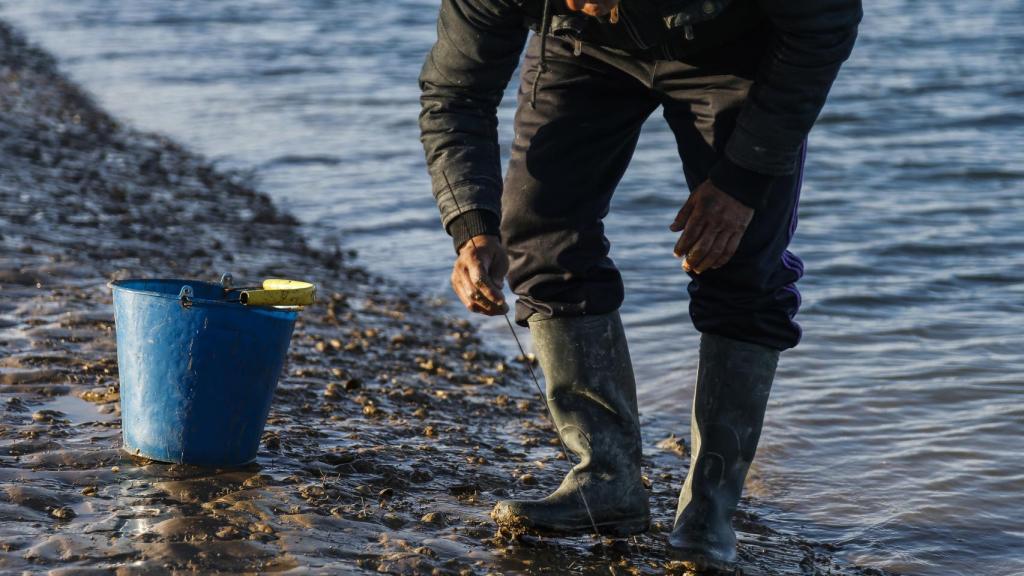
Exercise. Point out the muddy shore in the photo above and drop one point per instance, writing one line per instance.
(393, 430)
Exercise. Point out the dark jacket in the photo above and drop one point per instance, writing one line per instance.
(480, 41)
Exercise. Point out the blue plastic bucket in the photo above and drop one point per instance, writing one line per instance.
(197, 372)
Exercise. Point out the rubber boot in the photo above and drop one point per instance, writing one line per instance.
(592, 396)
(733, 382)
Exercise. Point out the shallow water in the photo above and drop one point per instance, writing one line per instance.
(895, 427)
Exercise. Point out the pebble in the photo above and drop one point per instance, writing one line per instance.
(528, 479)
(435, 518)
(272, 442)
(48, 416)
(63, 513)
(392, 520)
(89, 491)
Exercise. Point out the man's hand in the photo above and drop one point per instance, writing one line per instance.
(713, 224)
(592, 7)
(479, 273)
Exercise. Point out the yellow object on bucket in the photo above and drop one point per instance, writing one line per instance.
(279, 292)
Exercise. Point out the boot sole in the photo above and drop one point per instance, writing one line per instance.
(700, 562)
(615, 528)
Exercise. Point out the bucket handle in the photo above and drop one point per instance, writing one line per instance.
(185, 296)
(279, 292)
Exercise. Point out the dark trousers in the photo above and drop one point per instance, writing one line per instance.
(570, 153)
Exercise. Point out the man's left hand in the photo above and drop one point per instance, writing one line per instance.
(713, 223)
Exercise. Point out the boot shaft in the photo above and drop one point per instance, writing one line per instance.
(734, 380)
(591, 390)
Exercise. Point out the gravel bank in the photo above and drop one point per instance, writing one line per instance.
(393, 430)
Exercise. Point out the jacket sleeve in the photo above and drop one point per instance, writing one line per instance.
(813, 38)
(463, 79)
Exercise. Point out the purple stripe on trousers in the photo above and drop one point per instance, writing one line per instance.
(789, 260)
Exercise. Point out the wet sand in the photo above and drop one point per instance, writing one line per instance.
(393, 431)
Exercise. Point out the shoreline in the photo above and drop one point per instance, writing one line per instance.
(393, 430)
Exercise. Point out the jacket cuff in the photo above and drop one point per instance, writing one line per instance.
(473, 223)
(747, 186)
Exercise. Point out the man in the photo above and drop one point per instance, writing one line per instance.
(741, 83)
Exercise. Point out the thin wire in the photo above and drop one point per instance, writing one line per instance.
(533, 375)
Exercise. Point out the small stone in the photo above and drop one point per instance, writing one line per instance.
(262, 528)
(392, 520)
(89, 491)
(353, 384)
(272, 442)
(335, 343)
(321, 346)
(63, 513)
(371, 410)
(528, 479)
(227, 533)
(435, 518)
(385, 494)
(673, 444)
(312, 492)
(115, 469)
(49, 416)
(430, 432)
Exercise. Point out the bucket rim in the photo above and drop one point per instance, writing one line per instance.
(121, 285)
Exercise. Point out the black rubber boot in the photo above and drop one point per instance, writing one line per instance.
(733, 382)
(592, 396)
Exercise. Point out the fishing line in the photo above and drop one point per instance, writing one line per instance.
(533, 375)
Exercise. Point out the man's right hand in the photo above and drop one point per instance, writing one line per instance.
(479, 274)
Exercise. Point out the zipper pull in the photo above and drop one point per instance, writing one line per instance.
(577, 47)
(688, 31)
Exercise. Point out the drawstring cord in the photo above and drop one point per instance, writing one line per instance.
(545, 28)
(542, 66)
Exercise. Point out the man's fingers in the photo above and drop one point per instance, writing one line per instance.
(728, 252)
(591, 7)
(473, 295)
(714, 253)
(693, 232)
(697, 256)
(484, 286)
(682, 216)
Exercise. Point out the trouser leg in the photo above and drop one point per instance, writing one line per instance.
(753, 298)
(568, 155)
(744, 309)
(567, 158)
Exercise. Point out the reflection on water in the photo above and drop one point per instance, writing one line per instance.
(895, 426)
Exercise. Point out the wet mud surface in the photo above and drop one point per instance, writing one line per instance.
(393, 431)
